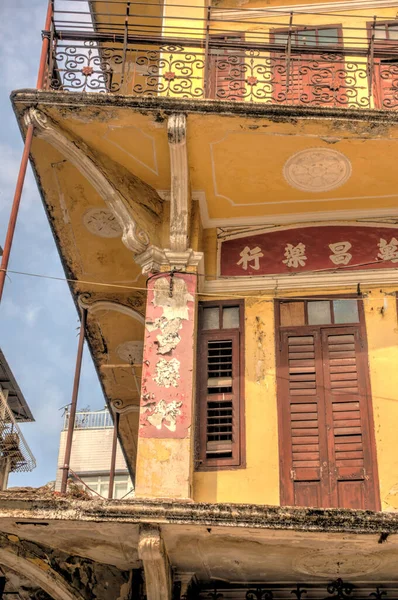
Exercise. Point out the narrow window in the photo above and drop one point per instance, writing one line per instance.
(220, 384)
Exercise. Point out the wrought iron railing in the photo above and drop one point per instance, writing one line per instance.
(267, 58)
(90, 419)
(13, 446)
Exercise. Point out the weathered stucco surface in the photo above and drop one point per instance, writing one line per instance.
(60, 536)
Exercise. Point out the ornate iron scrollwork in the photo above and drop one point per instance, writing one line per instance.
(378, 594)
(299, 592)
(259, 594)
(340, 590)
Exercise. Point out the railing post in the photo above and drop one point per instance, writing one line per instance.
(289, 52)
(207, 57)
(45, 45)
(24, 160)
(72, 414)
(371, 57)
(113, 457)
(125, 43)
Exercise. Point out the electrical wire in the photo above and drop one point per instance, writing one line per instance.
(233, 295)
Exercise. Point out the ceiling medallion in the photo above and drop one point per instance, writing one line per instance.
(131, 352)
(317, 170)
(336, 564)
(102, 222)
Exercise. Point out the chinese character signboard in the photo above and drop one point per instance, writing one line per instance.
(297, 250)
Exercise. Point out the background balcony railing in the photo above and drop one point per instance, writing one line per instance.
(267, 59)
(90, 419)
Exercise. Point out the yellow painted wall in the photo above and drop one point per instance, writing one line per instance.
(258, 482)
(382, 332)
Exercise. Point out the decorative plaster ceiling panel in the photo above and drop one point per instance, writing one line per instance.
(317, 170)
(131, 352)
(102, 222)
(343, 564)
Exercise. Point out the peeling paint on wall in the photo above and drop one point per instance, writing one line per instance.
(169, 337)
(167, 373)
(168, 357)
(175, 306)
(164, 414)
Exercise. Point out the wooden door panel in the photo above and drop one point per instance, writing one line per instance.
(327, 446)
(303, 449)
(347, 415)
(307, 493)
(351, 493)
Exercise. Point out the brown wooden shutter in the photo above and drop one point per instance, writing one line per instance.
(226, 69)
(351, 452)
(327, 447)
(219, 388)
(302, 447)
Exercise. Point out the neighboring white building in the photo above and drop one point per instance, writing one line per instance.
(91, 454)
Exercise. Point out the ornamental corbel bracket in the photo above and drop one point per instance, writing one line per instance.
(134, 238)
(152, 552)
(180, 194)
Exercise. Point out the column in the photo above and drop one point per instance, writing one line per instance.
(165, 439)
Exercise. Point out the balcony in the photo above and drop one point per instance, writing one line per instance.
(196, 53)
(90, 419)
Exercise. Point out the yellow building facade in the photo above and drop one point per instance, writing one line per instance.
(220, 177)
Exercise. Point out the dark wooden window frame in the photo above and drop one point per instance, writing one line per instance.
(218, 464)
(211, 64)
(309, 49)
(284, 482)
(380, 46)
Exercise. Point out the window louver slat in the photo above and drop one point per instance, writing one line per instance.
(219, 425)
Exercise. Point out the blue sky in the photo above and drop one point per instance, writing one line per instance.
(38, 320)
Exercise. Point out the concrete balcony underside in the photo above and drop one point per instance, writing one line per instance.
(228, 546)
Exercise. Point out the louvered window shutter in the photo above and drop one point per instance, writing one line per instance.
(303, 449)
(219, 391)
(347, 409)
(327, 446)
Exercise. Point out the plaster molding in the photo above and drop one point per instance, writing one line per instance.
(134, 238)
(119, 406)
(154, 258)
(46, 577)
(105, 305)
(246, 14)
(284, 219)
(152, 552)
(307, 281)
(151, 260)
(179, 197)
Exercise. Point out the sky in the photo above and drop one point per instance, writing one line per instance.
(38, 320)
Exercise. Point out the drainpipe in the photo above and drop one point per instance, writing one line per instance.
(72, 414)
(25, 157)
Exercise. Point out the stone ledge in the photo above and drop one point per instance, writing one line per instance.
(75, 100)
(29, 506)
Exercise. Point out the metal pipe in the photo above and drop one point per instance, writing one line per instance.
(72, 414)
(113, 457)
(45, 46)
(24, 163)
(15, 209)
